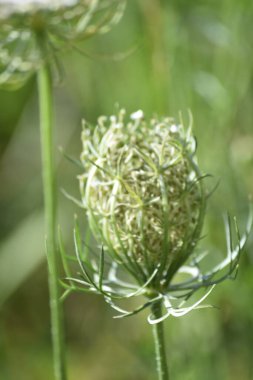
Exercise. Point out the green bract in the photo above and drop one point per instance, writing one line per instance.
(143, 192)
(58, 22)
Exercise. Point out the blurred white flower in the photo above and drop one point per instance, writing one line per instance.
(58, 22)
(8, 7)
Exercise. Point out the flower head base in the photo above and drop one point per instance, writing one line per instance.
(60, 22)
(143, 191)
(145, 202)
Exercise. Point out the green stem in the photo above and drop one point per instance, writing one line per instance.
(161, 362)
(46, 130)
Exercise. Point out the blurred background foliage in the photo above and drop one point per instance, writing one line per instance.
(163, 57)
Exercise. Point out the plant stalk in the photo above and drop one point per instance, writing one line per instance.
(48, 171)
(158, 333)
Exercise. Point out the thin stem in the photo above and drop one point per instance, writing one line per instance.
(161, 362)
(46, 129)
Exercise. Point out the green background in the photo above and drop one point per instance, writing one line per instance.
(163, 57)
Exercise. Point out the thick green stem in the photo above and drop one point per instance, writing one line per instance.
(46, 129)
(161, 362)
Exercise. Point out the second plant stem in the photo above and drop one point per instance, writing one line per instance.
(161, 360)
(48, 169)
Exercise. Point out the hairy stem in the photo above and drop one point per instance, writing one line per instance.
(46, 129)
(161, 361)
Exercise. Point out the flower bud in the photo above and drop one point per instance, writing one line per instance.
(143, 192)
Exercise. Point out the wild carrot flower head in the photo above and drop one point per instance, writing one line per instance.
(142, 190)
(145, 200)
(59, 21)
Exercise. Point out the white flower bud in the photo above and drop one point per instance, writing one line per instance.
(142, 191)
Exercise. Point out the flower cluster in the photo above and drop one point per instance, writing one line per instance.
(143, 192)
(60, 21)
(145, 200)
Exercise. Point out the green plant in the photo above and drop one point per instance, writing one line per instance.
(145, 200)
(32, 33)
